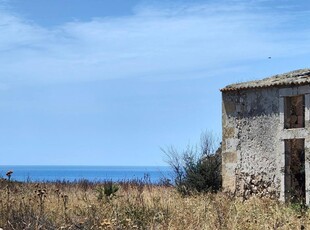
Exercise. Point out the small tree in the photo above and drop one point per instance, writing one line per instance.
(197, 169)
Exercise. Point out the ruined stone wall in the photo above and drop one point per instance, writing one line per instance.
(250, 142)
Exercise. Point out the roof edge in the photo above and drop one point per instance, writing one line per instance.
(296, 77)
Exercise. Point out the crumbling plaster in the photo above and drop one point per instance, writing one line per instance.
(253, 140)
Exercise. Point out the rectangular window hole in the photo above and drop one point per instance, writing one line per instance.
(294, 112)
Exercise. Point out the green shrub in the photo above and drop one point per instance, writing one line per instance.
(197, 169)
(108, 190)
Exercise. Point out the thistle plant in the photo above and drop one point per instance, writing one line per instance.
(8, 174)
(41, 193)
(65, 200)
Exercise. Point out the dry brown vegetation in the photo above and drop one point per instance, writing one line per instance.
(135, 205)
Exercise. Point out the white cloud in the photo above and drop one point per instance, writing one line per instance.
(156, 42)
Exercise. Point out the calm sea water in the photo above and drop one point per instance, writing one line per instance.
(92, 173)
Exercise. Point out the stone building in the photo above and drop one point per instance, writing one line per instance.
(266, 137)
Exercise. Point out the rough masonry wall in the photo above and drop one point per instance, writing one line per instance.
(250, 142)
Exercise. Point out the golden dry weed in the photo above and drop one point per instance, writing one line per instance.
(138, 206)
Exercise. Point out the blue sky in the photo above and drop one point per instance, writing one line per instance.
(111, 82)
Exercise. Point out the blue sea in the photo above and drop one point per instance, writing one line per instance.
(152, 174)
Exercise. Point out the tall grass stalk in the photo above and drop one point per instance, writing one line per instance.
(139, 206)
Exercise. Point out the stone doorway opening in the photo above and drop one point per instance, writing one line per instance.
(295, 178)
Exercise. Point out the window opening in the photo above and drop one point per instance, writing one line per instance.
(294, 112)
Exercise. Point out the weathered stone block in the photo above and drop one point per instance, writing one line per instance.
(229, 157)
(229, 132)
(231, 144)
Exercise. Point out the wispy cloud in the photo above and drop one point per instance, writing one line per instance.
(156, 42)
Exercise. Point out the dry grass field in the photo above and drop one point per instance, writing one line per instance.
(135, 205)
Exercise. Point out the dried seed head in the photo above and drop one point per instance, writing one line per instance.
(9, 173)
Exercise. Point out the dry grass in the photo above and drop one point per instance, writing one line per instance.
(137, 206)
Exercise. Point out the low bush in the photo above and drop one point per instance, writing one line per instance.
(107, 191)
(197, 169)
